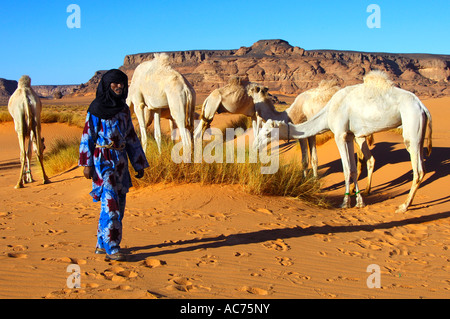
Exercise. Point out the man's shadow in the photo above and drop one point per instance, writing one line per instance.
(141, 253)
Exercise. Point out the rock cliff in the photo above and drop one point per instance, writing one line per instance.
(285, 69)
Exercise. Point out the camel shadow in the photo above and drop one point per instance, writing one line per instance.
(436, 166)
(266, 235)
(11, 163)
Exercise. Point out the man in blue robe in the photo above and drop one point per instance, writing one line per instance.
(108, 141)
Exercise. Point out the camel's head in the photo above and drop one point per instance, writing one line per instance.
(261, 98)
(263, 134)
(258, 92)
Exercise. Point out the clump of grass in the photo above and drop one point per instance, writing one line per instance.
(62, 155)
(288, 180)
(71, 118)
(5, 116)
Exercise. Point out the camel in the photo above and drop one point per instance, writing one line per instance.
(357, 111)
(25, 108)
(235, 97)
(157, 88)
(304, 107)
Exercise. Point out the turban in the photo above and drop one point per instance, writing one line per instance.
(107, 103)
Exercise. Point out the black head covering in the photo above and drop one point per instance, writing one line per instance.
(107, 103)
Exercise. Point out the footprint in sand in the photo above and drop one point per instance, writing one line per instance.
(207, 260)
(350, 253)
(254, 290)
(68, 260)
(219, 216)
(278, 244)
(199, 231)
(153, 263)
(324, 293)
(271, 225)
(18, 248)
(17, 255)
(284, 261)
(185, 284)
(56, 231)
(6, 215)
(341, 278)
(118, 273)
(295, 277)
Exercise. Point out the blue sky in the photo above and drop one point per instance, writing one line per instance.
(36, 40)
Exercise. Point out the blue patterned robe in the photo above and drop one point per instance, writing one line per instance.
(111, 179)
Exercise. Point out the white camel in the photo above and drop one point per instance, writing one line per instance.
(304, 107)
(25, 108)
(157, 88)
(358, 111)
(235, 97)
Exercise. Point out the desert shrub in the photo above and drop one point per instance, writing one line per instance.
(5, 116)
(61, 155)
(288, 180)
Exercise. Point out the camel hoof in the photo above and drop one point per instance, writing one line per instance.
(19, 186)
(401, 209)
(345, 205)
(47, 181)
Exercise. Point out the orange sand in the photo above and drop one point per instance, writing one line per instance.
(193, 241)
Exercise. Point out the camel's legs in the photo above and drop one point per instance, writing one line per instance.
(157, 127)
(39, 148)
(415, 151)
(22, 159)
(313, 154)
(179, 117)
(344, 143)
(28, 178)
(414, 145)
(172, 128)
(368, 158)
(305, 157)
(142, 114)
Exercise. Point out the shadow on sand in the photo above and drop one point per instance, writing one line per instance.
(266, 235)
(436, 166)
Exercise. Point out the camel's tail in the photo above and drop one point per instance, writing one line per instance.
(28, 113)
(429, 128)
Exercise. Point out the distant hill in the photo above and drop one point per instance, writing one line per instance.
(285, 69)
(7, 87)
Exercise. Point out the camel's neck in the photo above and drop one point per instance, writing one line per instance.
(318, 124)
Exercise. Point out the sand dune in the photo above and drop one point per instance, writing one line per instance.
(193, 241)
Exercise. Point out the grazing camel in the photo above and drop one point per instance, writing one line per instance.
(360, 110)
(25, 108)
(235, 97)
(305, 106)
(155, 88)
